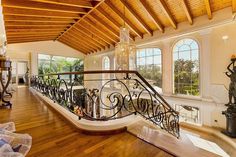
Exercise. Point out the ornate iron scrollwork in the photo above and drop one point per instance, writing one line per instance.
(116, 98)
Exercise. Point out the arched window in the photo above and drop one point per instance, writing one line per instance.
(106, 63)
(186, 67)
(149, 65)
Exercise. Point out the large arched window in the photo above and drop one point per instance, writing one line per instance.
(106, 66)
(149, 65)
(186, 67)
(106, 63)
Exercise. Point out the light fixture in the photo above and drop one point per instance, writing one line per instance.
(125, 52)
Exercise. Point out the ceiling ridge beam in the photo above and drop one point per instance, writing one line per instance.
(98, 4)
(208, 9)
(187, 11)
(127, 21)
(137, 17)
(168, 13)
(41, 6)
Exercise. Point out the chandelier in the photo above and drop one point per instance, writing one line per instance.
(125, 52)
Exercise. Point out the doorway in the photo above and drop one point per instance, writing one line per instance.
(20, 73)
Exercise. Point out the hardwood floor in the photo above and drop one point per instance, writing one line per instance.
(53, 136)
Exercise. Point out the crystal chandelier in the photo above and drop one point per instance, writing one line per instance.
(125, 52)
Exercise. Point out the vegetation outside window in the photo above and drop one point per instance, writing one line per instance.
(149, 65)
(186, 67)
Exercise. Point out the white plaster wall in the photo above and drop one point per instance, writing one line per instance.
(29, 51)
(214, 57)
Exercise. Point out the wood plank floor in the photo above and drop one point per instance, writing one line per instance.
(53, 136)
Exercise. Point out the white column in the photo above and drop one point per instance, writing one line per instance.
(205, 58)
(167, 83)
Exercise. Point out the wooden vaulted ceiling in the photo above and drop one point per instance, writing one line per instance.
(92, 25)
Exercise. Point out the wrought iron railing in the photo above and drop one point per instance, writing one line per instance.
(108, 95)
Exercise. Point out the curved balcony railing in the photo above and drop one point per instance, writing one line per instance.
(118, 94)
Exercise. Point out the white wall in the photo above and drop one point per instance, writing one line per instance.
(29, 51)
(214, 56)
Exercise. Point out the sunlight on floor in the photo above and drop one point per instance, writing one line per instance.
(207, 145)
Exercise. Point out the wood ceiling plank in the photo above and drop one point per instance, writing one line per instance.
(35, 32)
(81, 41)
(208, 8)
(108, 17)
(234, 6)
(31, 38)
(37, 13)
(66, 40)
(130, 25)
(152, 15)
(187, 11)
(168, 13)
(91, 10)
(31, 35)
(34, 27)
(88, 33)
(106, 26)
(26, 41)
(78, 43)
(42, 6)
(137, 17)
(22, 23)
(37, 19)
(99, 32)
(74, 3)
(73, 46)
(87, 39)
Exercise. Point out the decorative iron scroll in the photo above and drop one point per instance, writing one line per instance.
(125, 94)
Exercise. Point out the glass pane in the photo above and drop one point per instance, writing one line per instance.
(185, 55)
(156, 51)
(195, 55)
(184, 48)
(149, 52)
(149, 60)
(157, 59)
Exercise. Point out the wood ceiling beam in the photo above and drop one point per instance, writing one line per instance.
(73, 46)
(33, 30)
(97, 5)
(73, 41)
(187, 11)
(137, 17)
(26, 41)
(89, 33)
(234, 6)
(168, 13)
(34, 27)
(152, 15)
(36, 19)
(73, 3)
(108, 17)
(69, 42)
(38, 13)
(42, 6)
(86, 38)
(208, 8)
(130, 25)
(109, 28)
(31, 38)
(22, 23)
(106, 37)
(81, 41)
(29, 33)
